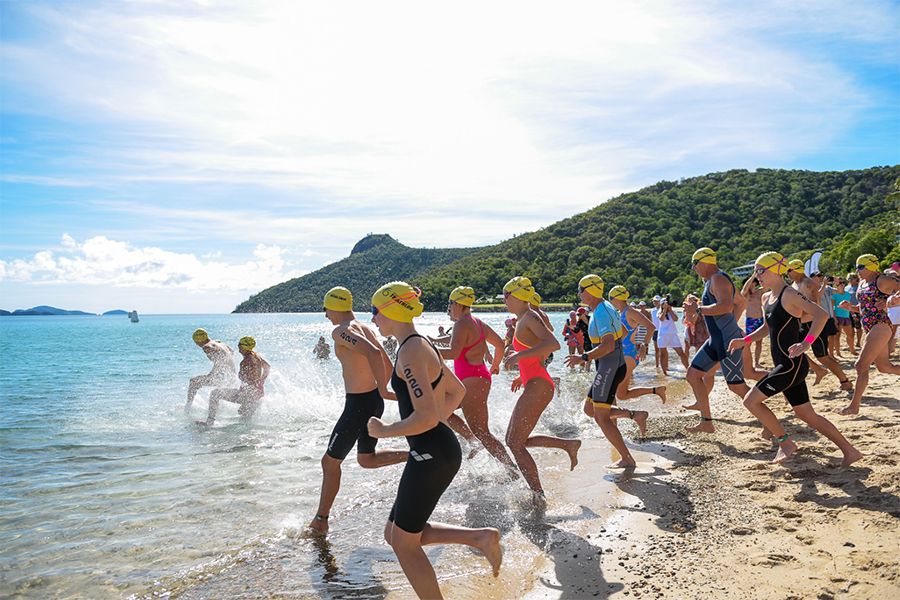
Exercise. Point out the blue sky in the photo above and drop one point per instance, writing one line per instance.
(178, 156)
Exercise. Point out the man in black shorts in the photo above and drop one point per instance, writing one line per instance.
(366, 370)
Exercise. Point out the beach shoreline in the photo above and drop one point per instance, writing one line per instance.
(711, 517)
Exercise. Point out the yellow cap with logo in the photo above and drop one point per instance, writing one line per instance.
(619, 293)
(592, 284)
(796, 265)
(398, 301)
(535, 300)
(868, 261)
(704, 255)
(463, 295)
(200, 336)
(247, 342)
(773, 261)
(339, 299)
(519, 287)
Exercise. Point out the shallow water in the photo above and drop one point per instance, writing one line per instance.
(109, 490)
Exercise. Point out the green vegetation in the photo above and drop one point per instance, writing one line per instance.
(374, 260)
(643, 240)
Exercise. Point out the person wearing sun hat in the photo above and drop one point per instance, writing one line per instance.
(252, 373)
(532, 343)
(468, 344)
(427, 393)
(222, 372)
(872, 294)
(719, 303)
(796, 273)
(366, 369)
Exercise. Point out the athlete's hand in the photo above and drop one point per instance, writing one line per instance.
(387, 394)
(642, 353)
(495, 370)
(516, 384)
(376, 427)
(573, 360)
(798, 349)
(845, 304)
(512, 360)
(735, 344)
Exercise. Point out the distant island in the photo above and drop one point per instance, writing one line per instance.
(46, 311)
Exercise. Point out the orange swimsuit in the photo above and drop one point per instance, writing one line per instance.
(532, 367)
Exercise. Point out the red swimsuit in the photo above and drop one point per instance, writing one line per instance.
(532, 367)
(463, 368)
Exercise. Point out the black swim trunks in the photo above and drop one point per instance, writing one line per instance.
(611, 371)
(352, 426)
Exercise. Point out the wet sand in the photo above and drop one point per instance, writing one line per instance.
(711, 517)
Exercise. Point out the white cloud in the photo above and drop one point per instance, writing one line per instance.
(105, 262)
(481, 104)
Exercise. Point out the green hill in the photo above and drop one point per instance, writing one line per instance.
(374, 260)
(644, 239)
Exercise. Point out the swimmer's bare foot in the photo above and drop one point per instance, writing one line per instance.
(785, 451)
(572, 450)
(488, 542)
(318, 526)
(766, 434)
(820, 373)
(703, 426)
(694, 406)
(850, 409)
(640, 417)
(846, 385)
(851, 457)
(625, 463)
(660, 391)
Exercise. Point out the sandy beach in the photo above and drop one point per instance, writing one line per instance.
(710, 517)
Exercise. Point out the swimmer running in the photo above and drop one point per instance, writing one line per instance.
(784, 308)
(634, 352)
(222, 372)
(366, 371)
(606, 333)
(252, 374)
(427, 392)
(468, 344)
(532, 343)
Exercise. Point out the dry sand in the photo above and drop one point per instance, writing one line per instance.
(711, 517)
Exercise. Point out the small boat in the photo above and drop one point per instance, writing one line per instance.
(133, 316)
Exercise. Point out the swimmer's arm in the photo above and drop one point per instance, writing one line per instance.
(606, 345)
(493, 338)
(795, 303)
(721, 289)
(888, 284)
(545, 320)
(456, 344)
(638, 319)
(425, 410)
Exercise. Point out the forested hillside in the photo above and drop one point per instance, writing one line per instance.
(642, 239)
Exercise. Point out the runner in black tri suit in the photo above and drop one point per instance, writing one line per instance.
(719, 306)
(784, 308)
(426, 394)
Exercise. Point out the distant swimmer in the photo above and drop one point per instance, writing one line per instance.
(872, 295)
(606, 334)
(222, 373)
(718, 309)
(634, 351)
(784, 308)
(252, 374)
(752, 293)
(532, 343)
(366, 370)
(812, 291)
(321, 349)
(468, 345)
(427, 392)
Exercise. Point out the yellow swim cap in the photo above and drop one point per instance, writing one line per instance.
(869, 261)
(463, 295)
(704, 255)
(519, 287)
(773, 261)
(535, 300)
(592, 284)
(619, 293)
(247, 342)
(398, 301)
(339, 299)
(796, 265)
(200, 336)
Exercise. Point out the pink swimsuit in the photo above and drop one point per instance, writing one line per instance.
(463, 368)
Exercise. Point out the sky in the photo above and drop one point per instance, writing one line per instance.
(179, 156)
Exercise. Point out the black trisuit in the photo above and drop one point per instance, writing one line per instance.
(789, 374)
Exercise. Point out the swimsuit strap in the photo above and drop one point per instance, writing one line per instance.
(440, 359)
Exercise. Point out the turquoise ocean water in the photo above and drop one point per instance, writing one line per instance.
(110, 491)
